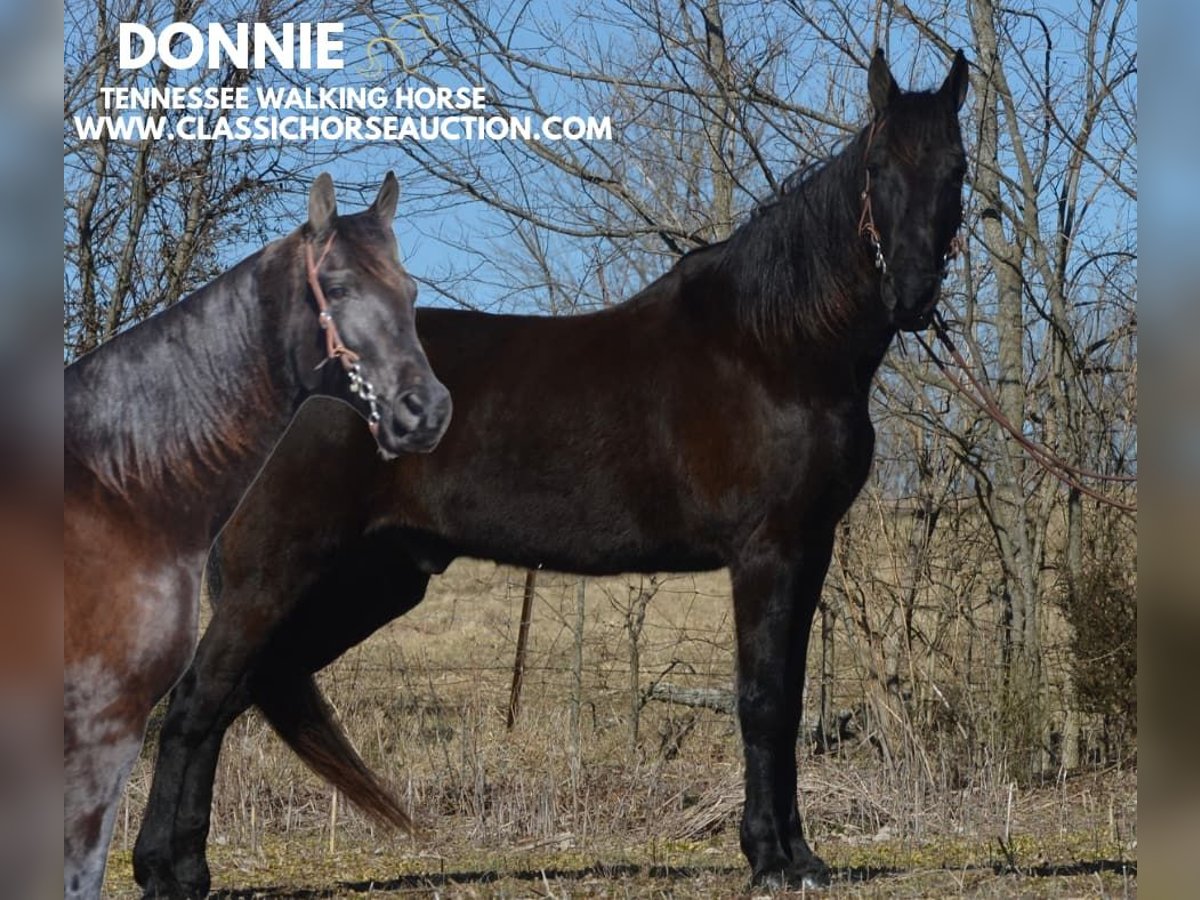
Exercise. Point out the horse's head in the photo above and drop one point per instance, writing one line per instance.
(912, 200)
(368, 337)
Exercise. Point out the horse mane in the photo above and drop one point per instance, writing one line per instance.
(197, 360)
(782, 273)
(788, 261)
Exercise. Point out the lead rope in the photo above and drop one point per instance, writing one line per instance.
(977, 392)
(982, 397)
(334, 346)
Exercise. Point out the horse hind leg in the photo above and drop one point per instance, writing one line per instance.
(350, 607)
(190, 872)
(168, 857)
(272, 667)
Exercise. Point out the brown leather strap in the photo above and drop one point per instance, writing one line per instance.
(335, 348)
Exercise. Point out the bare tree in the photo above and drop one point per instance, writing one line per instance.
(148, 220)
(947, 587)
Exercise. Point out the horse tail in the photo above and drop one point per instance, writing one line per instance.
(306, 722)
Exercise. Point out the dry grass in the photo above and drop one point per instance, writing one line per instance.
(554, 809)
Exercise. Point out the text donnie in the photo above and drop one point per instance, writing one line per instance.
(299, 45)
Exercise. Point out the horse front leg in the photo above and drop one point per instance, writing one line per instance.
(101, 742)
(120, 658)
(775, 593)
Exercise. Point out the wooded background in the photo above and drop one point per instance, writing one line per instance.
(983, 606)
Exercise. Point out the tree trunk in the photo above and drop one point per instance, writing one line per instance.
(1011, 513)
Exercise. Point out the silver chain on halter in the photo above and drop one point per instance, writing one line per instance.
(866, 221)
(881, 263)
(334, 348)
(360, 386)
(873, 235)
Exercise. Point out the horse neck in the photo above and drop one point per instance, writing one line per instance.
(180, 412)
(806, 285)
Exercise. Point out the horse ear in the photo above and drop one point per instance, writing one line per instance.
(955, 85)
(322, 206)
(881, 86)
(384, 206)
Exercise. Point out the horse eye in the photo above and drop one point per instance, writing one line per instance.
(336, 292)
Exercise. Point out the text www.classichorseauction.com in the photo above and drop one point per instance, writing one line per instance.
(423, 113)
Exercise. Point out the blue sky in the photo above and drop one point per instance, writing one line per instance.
(443, 233)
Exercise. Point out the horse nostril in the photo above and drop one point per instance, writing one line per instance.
(413, 403)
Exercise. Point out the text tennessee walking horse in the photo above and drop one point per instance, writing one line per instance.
(166, 426)
(718, 418)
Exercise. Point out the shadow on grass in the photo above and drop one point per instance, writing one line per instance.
(852, 875)
(1092, 867)
(444, 879)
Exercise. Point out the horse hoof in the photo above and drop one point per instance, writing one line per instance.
(167, 888)
(770, 880)
(809, 875)
(195, 892)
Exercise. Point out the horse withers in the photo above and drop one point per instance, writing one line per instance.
(717, 418)
(167, 424)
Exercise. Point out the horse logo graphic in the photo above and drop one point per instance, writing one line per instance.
(387, 46)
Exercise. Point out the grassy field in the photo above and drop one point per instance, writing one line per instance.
(575, 801)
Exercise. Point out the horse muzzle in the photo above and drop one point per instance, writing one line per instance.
(911, 300)
(415, 420)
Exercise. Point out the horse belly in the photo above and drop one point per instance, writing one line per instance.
(578, 533)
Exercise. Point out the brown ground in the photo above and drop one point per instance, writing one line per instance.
(550, 810)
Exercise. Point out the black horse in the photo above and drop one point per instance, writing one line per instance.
(164, 428)
(718, 418)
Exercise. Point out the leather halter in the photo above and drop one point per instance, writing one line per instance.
(866, 219)
(335, 347)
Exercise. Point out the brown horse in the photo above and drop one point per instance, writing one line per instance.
(166, 425)
(718, 418)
